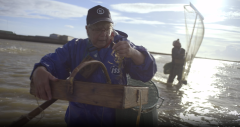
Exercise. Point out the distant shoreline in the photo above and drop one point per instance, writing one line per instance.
(32, 38)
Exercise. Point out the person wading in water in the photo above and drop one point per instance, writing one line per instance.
(178, 59)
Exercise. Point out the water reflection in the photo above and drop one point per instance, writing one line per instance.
(206, 100)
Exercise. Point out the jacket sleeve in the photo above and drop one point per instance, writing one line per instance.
(57, 63)
(145, 71)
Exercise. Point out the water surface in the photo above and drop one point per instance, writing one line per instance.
(211, 97)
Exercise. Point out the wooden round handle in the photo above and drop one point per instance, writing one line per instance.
(84, 64)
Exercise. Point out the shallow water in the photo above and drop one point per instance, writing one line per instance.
(211, 97)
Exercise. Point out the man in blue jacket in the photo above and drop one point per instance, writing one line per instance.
(103, 43)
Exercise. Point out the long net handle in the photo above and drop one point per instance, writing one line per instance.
(25, 118)
(81, 66)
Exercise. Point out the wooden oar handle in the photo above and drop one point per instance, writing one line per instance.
(81, 66)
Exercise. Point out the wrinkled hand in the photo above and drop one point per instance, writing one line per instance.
(123, 49)
(41, 78)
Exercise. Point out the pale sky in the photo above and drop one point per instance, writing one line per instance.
(153, 24)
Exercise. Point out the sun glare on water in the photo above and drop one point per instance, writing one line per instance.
(203, 75)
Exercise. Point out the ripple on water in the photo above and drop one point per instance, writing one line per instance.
(16, 50)
(10, 92)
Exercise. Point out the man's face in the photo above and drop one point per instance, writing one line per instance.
(177, 44)
(99, 33)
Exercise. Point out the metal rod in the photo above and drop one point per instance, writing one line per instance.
(197, 11)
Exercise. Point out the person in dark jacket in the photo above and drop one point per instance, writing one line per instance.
(103, 44)
(178, 59)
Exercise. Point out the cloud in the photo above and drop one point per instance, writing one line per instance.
(223, 27)
(219, 50)
(3, 20)
(218, 16)
(42, 9)
(123, 19)
(217, 32)
(69, 26)
(230, 53)
(210, 15)
(118, 18)
(96, 1)
(222, 35)
(231, 14)
(146, 7)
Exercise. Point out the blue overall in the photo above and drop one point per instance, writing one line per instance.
(68, 57)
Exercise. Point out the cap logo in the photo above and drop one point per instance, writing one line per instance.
(100, 11)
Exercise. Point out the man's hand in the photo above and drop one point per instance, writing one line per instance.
(41, 78)
(125, 50)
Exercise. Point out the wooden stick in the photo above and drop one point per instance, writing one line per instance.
(25, 118)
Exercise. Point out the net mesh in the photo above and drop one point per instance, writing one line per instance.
(194, 36)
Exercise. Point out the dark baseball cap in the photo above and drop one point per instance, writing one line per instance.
(97, 14)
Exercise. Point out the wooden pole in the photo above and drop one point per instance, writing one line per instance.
(25, 118)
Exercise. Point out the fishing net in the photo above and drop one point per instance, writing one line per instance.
(153, 94)
(194, 36)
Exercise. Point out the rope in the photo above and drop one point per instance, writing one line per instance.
(40, 108)
(140, 108)
(26, 116)
(70, 86)
(42, 112)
